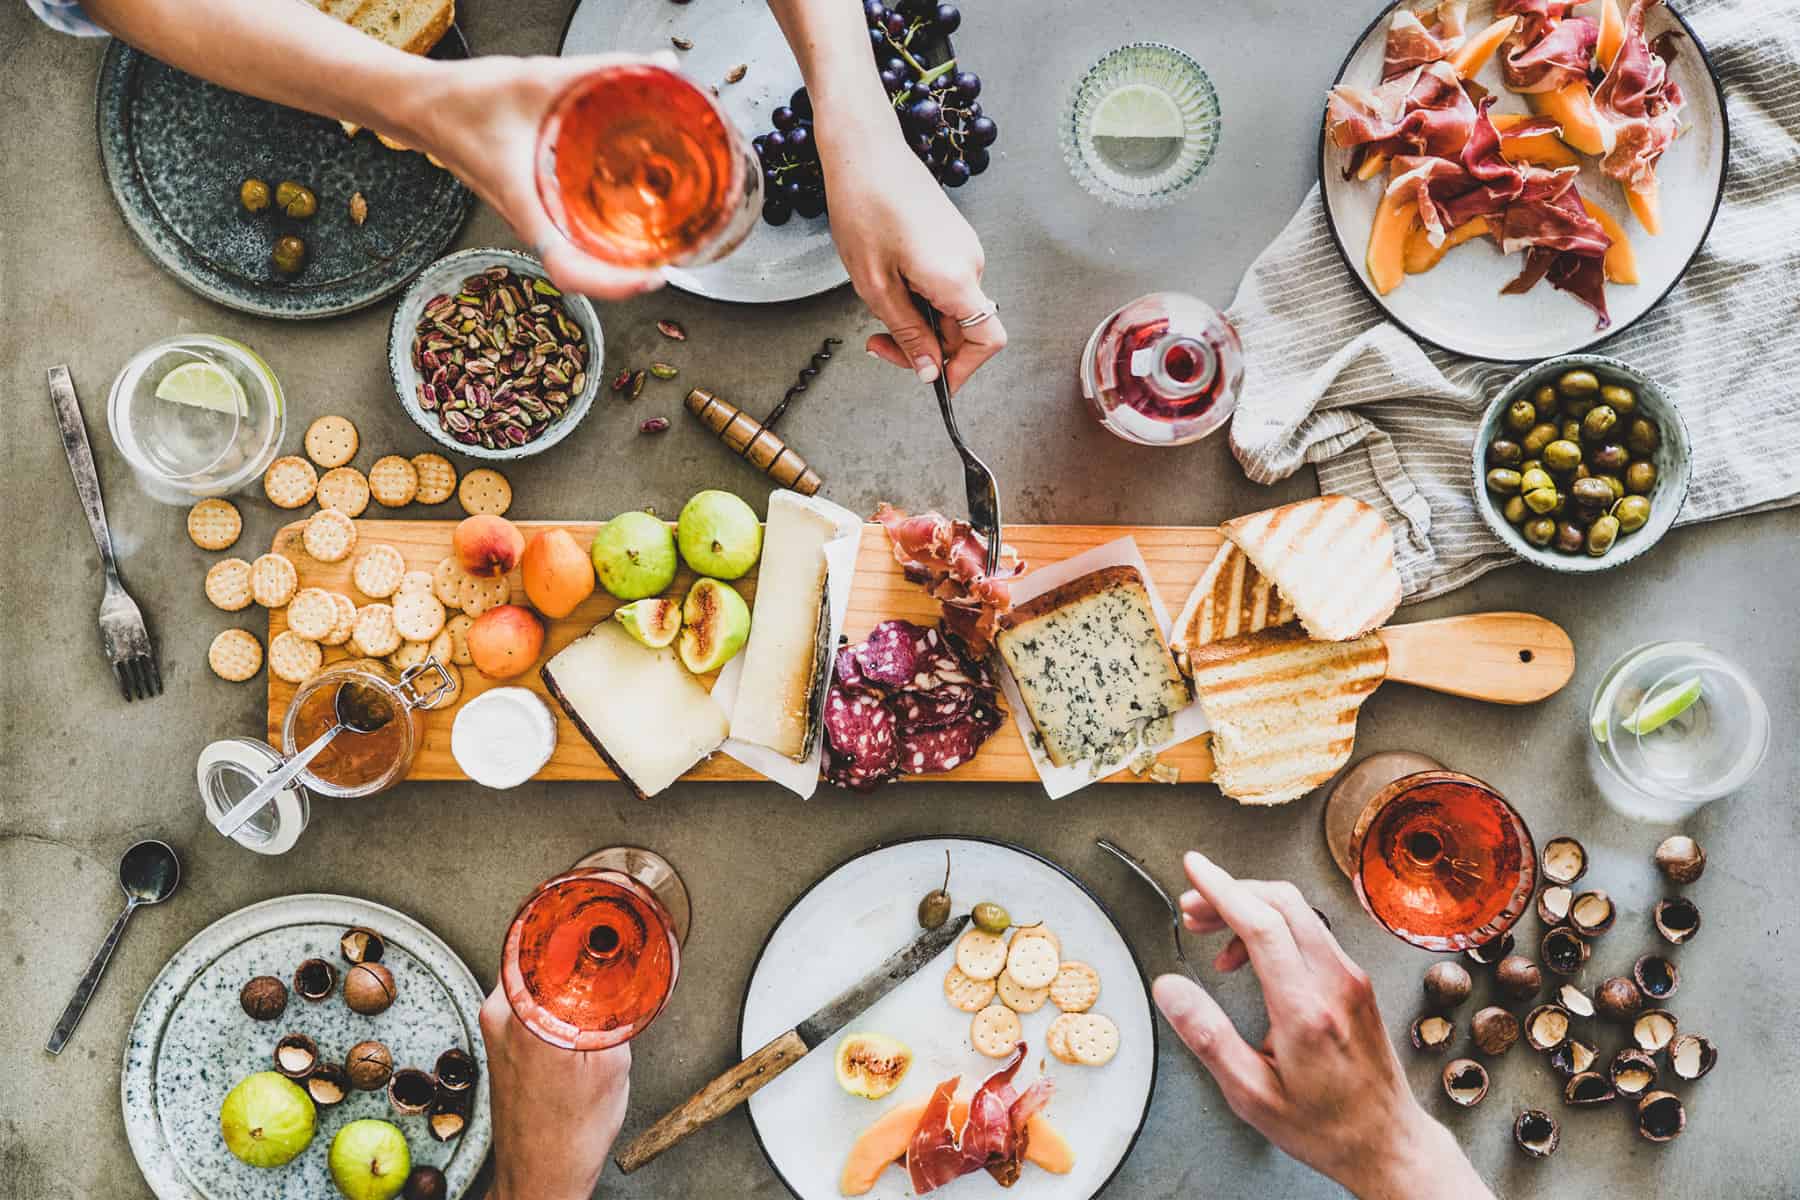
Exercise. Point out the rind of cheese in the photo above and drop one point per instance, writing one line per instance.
(779, 696)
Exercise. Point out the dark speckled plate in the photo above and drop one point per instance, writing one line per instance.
(175, 149)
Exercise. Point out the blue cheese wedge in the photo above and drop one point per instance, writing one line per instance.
(1091, 665)
(778, 700)
(638, 707)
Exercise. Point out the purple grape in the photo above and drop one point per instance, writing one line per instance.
(892, 82)
(791, 190)
(801, 103)
(918, 91)
(947, 18)
(895, 24)
(776, 210)
(810, 204)
(894, 63)
(783, 119)
(776, 142)
(875, 12)
(771, 176)
(759, 143)
(983, 131)
(800, 141)
(925, 112)
(920, 143)
(956, 172)
(972, 109)
(878, 38)
(967, 85)
(977, 158)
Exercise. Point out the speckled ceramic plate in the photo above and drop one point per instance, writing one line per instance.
(191, 1042)
(864, 910)
(1458, 305)
(175, 150)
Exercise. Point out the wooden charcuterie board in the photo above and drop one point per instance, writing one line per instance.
(1176, 556)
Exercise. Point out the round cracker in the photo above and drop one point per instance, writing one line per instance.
(374, 635)
(235, 655)
(214, 525)
(443, 646)
(418, 615)
(344, 623)
(345, 489)
(312, 613)
(329, 535)
(1092, 1039)
(995, 1031)
(484, 491)
(1039, 930)
(1056, 1038)
(437, 478)
(415, 581)
(981, 955)
(457, 628)
(969, 995)
(1076, 987)
(294, 658)
(273, 580)
(378, 571)
(446, 581)
(1032, 961)
(228, 584)
(426, 682)
(290, 482)
(1018, 997)
(331, 441)
(410, 654)
(475, 596)
(393, 482)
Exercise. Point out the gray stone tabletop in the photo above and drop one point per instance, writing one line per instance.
(82, 775)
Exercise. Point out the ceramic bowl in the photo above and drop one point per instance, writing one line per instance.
(445, 276)
(1671, 459)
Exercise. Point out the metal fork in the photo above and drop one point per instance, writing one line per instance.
(978, 481)
(1174, 912)
(122, 633)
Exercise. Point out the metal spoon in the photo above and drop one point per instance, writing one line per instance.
(359, 709)
(1174, 912)
(148, 872)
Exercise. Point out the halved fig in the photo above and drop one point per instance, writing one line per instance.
(871, 1065)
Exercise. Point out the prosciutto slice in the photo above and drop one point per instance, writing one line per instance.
(1562, 243)
(950, 560)
(1641, 103)
(1425, 113)
(1548, 49)
(1416, 40)
(1479, 183)
(993, 1138)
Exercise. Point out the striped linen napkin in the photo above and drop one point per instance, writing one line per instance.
(1329, 381)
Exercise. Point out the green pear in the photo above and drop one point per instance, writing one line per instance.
(634, 556)
(369, 1160)
(267, 1119)
(654, 621)
(719, 534)
(715, 624)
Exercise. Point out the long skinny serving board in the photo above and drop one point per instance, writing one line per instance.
(1176, 556)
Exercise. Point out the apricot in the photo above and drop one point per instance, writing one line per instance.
(1621, 259)
(558, 574)
(506, 641)
(487, 546)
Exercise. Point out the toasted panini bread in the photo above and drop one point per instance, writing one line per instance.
(1232, 598)
(1332, 558)
(414, 26)
(1283, 708)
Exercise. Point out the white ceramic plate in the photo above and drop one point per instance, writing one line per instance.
(857, 915)
(775, 263)
(1458, 305)
(191, 1042)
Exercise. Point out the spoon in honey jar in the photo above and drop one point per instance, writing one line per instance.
(359, 709)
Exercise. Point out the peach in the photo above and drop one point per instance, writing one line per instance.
(487, 546)
(558, 574)
(506, 641)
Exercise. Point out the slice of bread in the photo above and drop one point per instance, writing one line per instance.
(414, 26)
(1283, 708)
(1332, 558)
(1232, 598)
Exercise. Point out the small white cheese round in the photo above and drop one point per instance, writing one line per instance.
(503, 737)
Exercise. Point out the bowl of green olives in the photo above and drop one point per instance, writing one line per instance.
(1581, 463)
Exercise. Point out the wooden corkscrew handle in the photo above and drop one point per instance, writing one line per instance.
(757, 444)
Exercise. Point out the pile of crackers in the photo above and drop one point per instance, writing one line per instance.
(999, 981)
(408, 613)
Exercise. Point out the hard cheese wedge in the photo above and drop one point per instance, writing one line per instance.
(639, 708)
(790, 630)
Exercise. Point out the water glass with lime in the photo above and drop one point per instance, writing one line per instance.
(1141, 126)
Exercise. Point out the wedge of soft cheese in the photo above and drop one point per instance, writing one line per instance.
(638, 707)
(790, 633)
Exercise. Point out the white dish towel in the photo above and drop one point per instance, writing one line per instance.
(1392, 422)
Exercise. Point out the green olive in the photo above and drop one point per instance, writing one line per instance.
(289, 255)
(1532, 481)
(1599, 422)
(286, 190)
(1540, 531)
(1562, 455)
(1591, 491)
(1577, 407)
(1530, 464)
(1642, 436)
(1521, 415)
(1614, 484)
(1633, 513)
(1562, 502)
(1546, 400)
(1571, 429)
(1640, 478)
(1608, 458)
(1582, 471)
(991, 918)
(300, 204)
(1601, 535)
(1542, 501)
(1578, 383)
(253, 194)
(1569, 538)
(1621, 400)
(1514, 510)
(1539, 436)
(1503, 481)
(1503, 452)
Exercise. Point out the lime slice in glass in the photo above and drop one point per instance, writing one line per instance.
(1656, 710)
(1139, 111)
(204, 385)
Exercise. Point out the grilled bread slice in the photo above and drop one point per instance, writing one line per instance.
(1332, 558)
(1232, 598)
(414, 26)
(1283, 708)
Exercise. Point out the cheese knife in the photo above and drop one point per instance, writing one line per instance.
(760, 1069)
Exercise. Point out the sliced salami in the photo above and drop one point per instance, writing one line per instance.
(888, 656)
(846, 671)
(933, 709)
(928, 751)
(860, 729)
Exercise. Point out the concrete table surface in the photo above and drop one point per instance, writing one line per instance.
(84, 774)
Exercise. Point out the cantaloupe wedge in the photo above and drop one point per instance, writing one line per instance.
(1045, 1146)
(1540, 149)
(1386, 261)
(1646, 206)
(1612, 34)
(1621, 259)
(1473, 54)
(1421, 255)
(1572, 107)
(884, 1143)
(1372, 166)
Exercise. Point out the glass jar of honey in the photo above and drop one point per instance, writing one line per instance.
(376, 751)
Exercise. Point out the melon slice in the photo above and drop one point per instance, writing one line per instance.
(1539, 149)
(1572, 107)
(1372, 166)
(1396, 217)
(1646, 206)
(1473, 54)
(1621, 259)
(1421, 255)
(884, 1144)
(1612, 34)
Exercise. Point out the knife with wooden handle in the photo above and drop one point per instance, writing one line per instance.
(760, 1069)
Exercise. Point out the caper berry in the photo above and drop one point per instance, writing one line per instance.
(253, 194)
(1569, 538)
(1562, 455)
(1503, 452)
(1599, 422)
(991, 918)
(1539, 436)
(1591, 491)
(1503, 481)
(934, 906)
(1642, 436)
(1543, 502)
(1609, 458)
(1578, 383)
(1621, 400)
(289, 254)
(1533, 480)
(1514, 510)
(1601, 535)
(1640, 478)
(1521, 415)
(1633, 513)
(1540, 531)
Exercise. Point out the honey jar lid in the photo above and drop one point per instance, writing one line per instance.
(228, 771)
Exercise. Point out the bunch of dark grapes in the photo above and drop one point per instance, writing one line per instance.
(937, 107)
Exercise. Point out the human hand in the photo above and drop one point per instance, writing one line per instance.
(1326, 1086)
(556, 1112)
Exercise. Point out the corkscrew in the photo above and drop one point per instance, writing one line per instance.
(756, 441)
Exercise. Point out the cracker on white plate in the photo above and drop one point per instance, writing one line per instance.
(1056, 1038)
(1032, 961)
(1018, 997)
(995, 1030)
(981, 955)
(1076, 987)
(969, 995)
(1092, 1039)
(1039, 930)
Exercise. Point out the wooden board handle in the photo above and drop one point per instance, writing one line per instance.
(714, 1100)
(1503, 657)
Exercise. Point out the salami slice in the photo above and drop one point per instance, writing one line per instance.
(888, 655)
(860, 728)
(929, 751)
(846, 671)
(934, 709)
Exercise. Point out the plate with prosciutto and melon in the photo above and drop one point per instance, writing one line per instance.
(1517, 179)
(1027, 1055)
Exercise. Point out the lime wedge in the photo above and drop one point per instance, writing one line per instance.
(1655, 711)
(204, 385)
(1138, 110)
(1601, 728)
